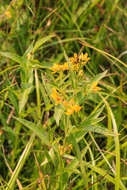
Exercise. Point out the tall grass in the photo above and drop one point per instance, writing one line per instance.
(63, 112)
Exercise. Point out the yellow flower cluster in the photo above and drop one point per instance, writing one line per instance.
(56, 97)
(82, 59)
(76, 63)
(70, 107)
(95, 87)
(65, 149)
(8, 14)
(57, 67)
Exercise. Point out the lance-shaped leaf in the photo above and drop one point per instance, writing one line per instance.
(25, 94)
(41, 42)
(40, 132)
(99, 129)
(13, 57)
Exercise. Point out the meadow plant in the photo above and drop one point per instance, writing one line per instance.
(63, 86)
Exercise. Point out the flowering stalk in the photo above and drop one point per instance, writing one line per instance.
(76, 63)
(70, 106)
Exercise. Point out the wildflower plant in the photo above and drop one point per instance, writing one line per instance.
(76, 64)
(63, 114)
(70, 92)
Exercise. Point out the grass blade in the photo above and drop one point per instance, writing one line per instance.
(20, 163)
(36, 129)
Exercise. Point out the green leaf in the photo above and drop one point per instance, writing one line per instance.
(12, 56)
(98, 129)
(58, 113)
(25, 94)
(20, 163)
(9, 130)
(38, 94)
(13, 99)
(73, 165)
(98, 77)
(93, 118)
(117, 147)
(79, 157)
(40, 132)
(104, 173)
(41, 42)
(50, 156)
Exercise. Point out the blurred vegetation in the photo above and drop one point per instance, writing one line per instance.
(41, 147)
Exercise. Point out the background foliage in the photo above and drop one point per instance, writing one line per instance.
(40, 146)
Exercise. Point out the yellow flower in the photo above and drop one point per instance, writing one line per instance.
(1, 132)
(75, 67)
(80, 73)
(71, 101)
(84, 57)
(71, 108)
(65, 103)
(55, 68)
(75, 55)
(78, 62)
(56, 97)
(74, 58)
(64, 67)
(61, 150)
(8, 14)
(70, 146)
(95, 87)
(77, 108)
(69, 111)
(64, 149)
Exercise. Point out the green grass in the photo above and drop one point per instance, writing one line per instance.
(41, 147)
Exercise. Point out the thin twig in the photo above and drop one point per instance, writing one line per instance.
(40, 173)
(10, 115)
(7, 164)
